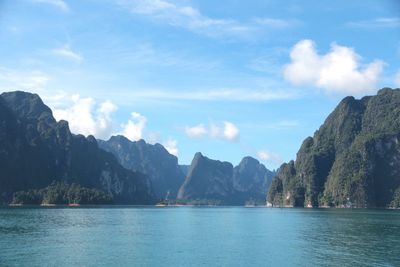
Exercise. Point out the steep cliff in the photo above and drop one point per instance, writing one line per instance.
(353, 160)
(153, 160)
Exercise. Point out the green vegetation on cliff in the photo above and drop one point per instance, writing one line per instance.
(62, 193)
(353, 160)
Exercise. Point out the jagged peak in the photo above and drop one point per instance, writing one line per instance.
(249, 160)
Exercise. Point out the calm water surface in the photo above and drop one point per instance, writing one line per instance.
(190, 236)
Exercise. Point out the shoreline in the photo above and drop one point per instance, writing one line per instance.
(180, 205)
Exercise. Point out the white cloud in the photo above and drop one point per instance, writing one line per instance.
(60, 4)
(67, 53)
(226, 131)
(337, 71)
(22, 80)
(192, 19)
(172, 146)
(267, 156)
(386, 22)
(133, 130)
(231, 132)
(84, 118)
(196, 131)
(397, 79)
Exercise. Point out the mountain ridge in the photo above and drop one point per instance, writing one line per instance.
(36, 150)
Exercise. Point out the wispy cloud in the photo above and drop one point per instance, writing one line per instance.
(12, 79)
(149, 54)
(235, 95)
(275, 23)
(284, 124)
(66, 52)
(389, 22)
(60, 4)
(190, 18)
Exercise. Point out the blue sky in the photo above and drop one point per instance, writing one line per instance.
(227, 78)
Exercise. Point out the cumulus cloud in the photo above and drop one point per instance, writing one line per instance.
(172, 146)
(84, 118)
(225, 130)
(67, 53)
(231, 132)
(196, 131)
(60, 4)
(133, 129)
(337, 71)
(267, 156)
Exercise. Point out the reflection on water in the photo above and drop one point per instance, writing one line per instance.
(189, 236)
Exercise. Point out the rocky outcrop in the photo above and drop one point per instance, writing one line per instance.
(153, 160)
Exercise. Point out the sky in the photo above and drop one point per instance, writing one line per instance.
(226, 78)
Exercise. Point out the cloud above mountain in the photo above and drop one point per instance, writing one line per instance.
(339, 71)
(225, 131)
(133, 129)
(87, 118)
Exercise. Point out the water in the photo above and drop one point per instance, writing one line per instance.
(190, 236)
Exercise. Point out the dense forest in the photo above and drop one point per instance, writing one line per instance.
(62, 193)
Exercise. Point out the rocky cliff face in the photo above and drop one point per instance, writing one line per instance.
(251, 180)
(353, 160)
(36, 150)
(153, 160)
(216, 182)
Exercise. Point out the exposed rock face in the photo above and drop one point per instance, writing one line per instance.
(218, 182)
(153, 160)
(353, 160)
(207, 179)
(36, 150)
(251, 180)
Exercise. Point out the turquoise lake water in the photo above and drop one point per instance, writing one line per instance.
(194, 236)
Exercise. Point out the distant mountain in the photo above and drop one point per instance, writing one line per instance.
(353, 160)
(214, 182)
(184, 169)
(153, 160)
(251, 180)
(35, 150)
